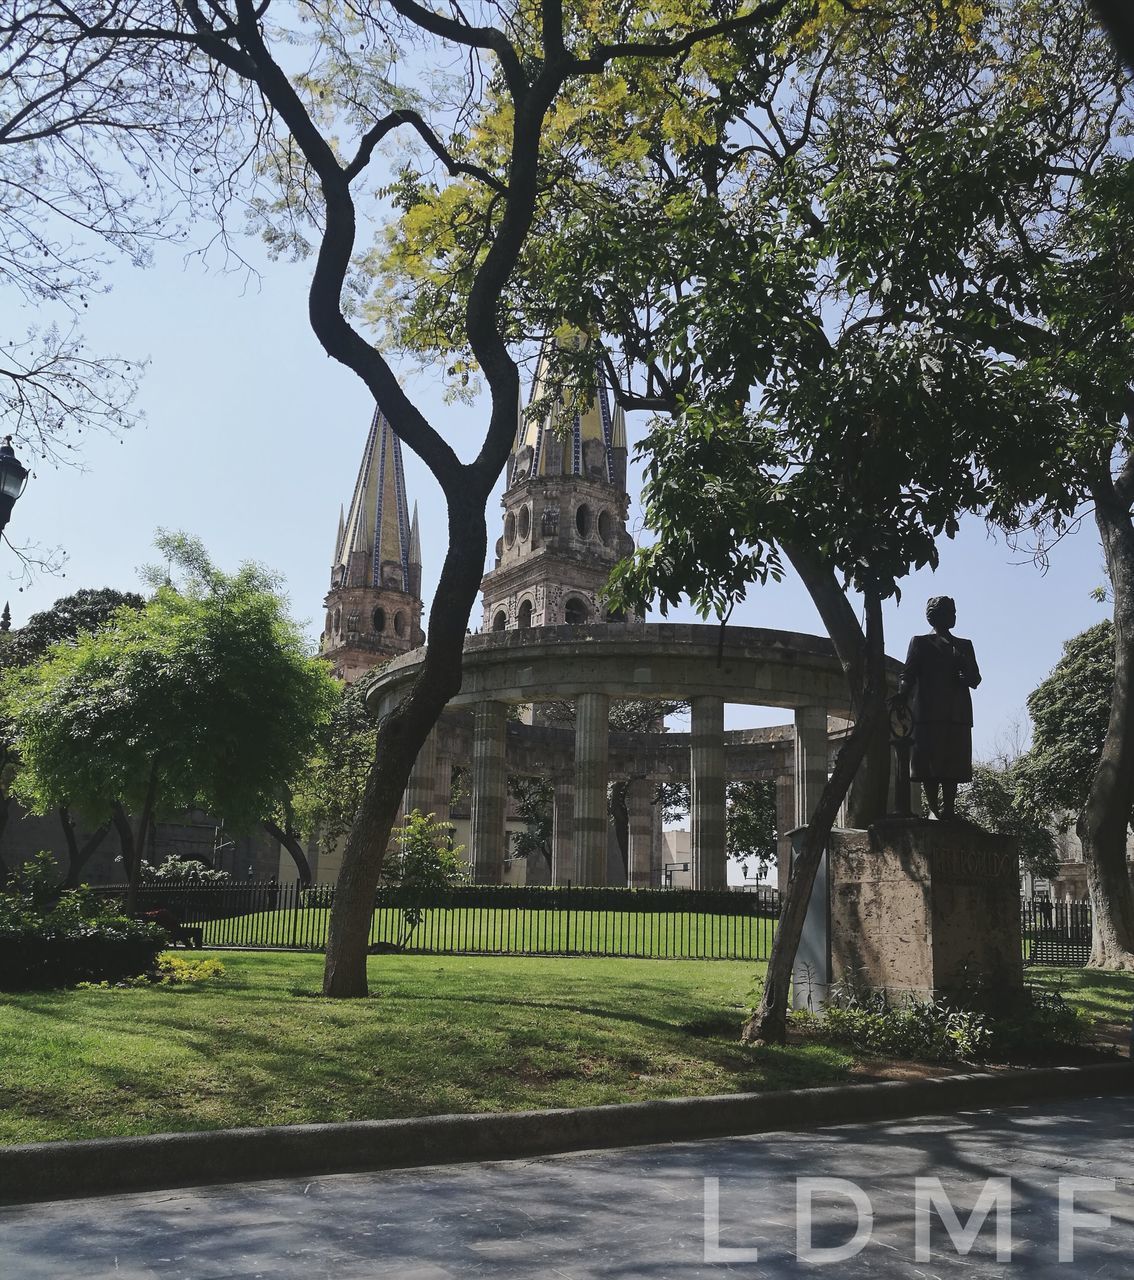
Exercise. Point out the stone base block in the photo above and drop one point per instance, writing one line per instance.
(922, 909)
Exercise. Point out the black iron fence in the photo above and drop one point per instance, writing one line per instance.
(676, 924)
(485, 919)
(1055, 932)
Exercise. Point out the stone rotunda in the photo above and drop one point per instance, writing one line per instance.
(547, 637)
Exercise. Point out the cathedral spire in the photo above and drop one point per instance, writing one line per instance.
(572, 433)
(373, 545)
(374, 604)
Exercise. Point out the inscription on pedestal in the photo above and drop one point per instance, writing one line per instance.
(965, 865)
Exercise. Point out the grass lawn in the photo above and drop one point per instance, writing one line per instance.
(440, 1034)
(1107, 997)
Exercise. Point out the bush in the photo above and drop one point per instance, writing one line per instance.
(963, 1028)
(53, 939)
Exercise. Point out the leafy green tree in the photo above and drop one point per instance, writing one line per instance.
(70, 616)
(316, 136)
(203, 698)
(323, 800)
(1001, 801)
(784, 267)
(1070, 711)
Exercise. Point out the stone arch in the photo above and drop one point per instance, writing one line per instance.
(524, 615)
(575, 611)
(500, 621)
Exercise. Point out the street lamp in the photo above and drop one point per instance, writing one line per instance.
(13, 480)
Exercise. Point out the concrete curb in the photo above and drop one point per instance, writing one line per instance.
(106, 1166)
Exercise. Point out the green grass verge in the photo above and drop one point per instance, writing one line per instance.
(518, 930)
(1106, 997)
(440, 1035)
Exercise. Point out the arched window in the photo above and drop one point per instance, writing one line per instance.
(575, 612)
(583, 520)
(525, 615)
(379, 619)
(399, 623)
(500, 622)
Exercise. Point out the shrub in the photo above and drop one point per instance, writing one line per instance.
(53, 939)
(966, 1027)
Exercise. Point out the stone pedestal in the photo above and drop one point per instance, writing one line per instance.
(922, 908)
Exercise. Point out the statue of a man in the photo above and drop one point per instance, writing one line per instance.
(940, 670)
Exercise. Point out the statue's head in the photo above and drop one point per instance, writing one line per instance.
(941, 611)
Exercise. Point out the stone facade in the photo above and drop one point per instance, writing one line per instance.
(924, 908)
(565, 509)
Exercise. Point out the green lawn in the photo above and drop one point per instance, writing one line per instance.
(1107, 997)
(530, 931)
(440, 1034)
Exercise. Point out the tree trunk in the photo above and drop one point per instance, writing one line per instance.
(870, 790)
(1105, 818)
(401, 736)
(290, 841)
(768, 1024)
(134, 843)
(78, 856)
(127, 844)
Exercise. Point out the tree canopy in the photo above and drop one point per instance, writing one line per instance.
(203, 698)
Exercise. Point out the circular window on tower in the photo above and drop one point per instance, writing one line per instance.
(399, 623)
(583, 520)
(510, 528)
(525, 615)
(338, 619)
(605, 527)
(525, 523)
(379, 619)
(575, 612)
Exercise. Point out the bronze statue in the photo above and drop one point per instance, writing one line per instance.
(940, 670)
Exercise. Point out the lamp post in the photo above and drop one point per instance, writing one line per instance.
(13, 480)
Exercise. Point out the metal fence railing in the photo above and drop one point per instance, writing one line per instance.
(1056, 933)
(484, 919)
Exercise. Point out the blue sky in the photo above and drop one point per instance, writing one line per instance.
(252, 438)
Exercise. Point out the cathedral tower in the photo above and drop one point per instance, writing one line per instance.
(565, 508)
(374, 604)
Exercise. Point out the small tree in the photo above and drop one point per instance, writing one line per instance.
(204, 698)
(424, 862)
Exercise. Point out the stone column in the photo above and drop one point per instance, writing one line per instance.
(421, 788)
(487, 837)
(443, 787)
(707, 794)
(785, 821)
(641, 814)
(563, 832)
(592, 750)
(810, 760)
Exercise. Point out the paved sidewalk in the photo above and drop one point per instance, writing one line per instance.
(631, 1214)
